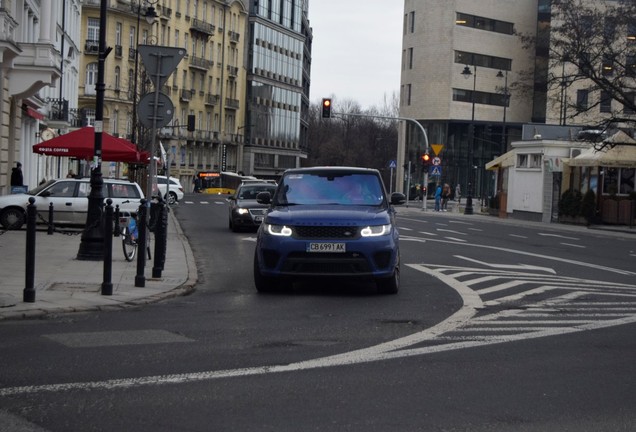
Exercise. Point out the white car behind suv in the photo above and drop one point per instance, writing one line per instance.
(176, 189)
(69, 197)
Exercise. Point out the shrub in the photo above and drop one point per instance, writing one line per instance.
(588, 206)
(570, 203)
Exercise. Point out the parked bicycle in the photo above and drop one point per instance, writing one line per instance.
(129, 228)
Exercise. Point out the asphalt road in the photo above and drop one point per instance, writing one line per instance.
(497, 327)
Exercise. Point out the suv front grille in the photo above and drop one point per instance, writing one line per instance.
(332, 232)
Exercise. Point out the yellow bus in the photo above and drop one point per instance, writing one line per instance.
(215, 182)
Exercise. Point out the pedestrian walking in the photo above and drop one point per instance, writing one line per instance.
(458, 193)
(446, 191)
(16, 175)
(438, 197)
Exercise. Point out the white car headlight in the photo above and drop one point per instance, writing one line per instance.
(278, 230)
(375, 231)
(242, 211)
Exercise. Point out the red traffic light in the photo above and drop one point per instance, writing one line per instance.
(326, 108)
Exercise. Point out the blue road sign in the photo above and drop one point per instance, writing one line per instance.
(392, 164)
(435, 171)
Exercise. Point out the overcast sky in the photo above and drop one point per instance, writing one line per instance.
(356, 50)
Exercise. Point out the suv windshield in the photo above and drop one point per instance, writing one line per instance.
(329, 188)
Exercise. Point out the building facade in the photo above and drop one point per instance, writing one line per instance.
(461, 65)
(38, 46)
(278, 74)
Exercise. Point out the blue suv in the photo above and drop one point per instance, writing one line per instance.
(331, 222)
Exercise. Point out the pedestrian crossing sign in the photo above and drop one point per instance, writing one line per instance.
(435, 171)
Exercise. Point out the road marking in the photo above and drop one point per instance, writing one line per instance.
(508, 266)
(450, 231)
(558, 235)
(456, 239)
(518, 236)
(475, 229)
(461, 330)
(427, 233)
(573, 245)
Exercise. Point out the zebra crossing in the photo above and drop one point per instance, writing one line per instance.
(511, 305)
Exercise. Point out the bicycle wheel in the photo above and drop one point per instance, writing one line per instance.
(129, 245)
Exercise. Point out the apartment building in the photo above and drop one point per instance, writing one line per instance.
(459, 61)
(39, 47)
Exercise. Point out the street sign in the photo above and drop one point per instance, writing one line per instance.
(437, 161)
(146, 109)
(392, 164)
(160, 61)
(437, 148)
(436, 171)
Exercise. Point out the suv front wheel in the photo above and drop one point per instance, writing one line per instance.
(390, 285)
(263, 283)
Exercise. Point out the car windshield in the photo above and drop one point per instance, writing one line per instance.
(330, 188)
(41, 187)
(250, 192)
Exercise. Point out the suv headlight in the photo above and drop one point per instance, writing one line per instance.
(375, 231)
(242, 211)
(278, 230)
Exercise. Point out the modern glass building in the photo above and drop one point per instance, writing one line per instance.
(277, 87)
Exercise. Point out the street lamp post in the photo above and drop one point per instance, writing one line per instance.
(150, 16)
(504, 142)
(92, 241)
(471, 140)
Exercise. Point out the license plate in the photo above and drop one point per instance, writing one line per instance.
(326, 247)
(258, 219)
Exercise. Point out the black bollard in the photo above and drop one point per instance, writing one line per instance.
(117, 228)
(49, 231)
(28, 295)
(161, 237)
(107, 284)
(140, 279)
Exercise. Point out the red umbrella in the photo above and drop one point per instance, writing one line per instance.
(80, 144)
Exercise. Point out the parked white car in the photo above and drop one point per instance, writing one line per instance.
(69, 197)
(176, 189)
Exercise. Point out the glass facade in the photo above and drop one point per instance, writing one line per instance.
(276, 93)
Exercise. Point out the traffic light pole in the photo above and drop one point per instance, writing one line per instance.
(406, 119)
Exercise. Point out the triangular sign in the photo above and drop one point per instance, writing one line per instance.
(160, 61)
(437, 148)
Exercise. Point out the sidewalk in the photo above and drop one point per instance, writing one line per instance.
(65, 284)
(456, 210)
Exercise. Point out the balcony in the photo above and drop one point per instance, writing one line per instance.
(200, 63)
(118, 51)
(186, 95)
(211, 99)
(234, 36)
(232, 103)
(201, 26)
(91, 47)
(232, 71)
(131, 53)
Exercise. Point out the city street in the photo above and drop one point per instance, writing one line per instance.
(499, 325)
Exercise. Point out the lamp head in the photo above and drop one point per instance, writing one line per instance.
(467, 72)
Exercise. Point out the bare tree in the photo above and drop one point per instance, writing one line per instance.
(591, 70)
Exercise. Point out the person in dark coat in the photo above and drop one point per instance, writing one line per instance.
(16, 175)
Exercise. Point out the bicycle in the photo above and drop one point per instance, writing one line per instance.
(129, 229)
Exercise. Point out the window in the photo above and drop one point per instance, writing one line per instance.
(482, 23)
(118, 30)
(91, 79)
(522, 161)
(618, 181)
(117, 77)
(607, 67)
(629, 109)
(412, 22)
(93, 29)
(410, 58)
(606, 102)
(630, 65)
(582, 99)
(467, 58)
(529, 160)
(62, 189)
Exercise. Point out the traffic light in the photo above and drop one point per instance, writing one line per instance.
(326, 108)
(426, 159)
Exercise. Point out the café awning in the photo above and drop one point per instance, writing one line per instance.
(503, 161)
(80, 144)
(622, 155)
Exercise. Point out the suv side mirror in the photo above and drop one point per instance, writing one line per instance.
(264, 198)
(398, 198)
